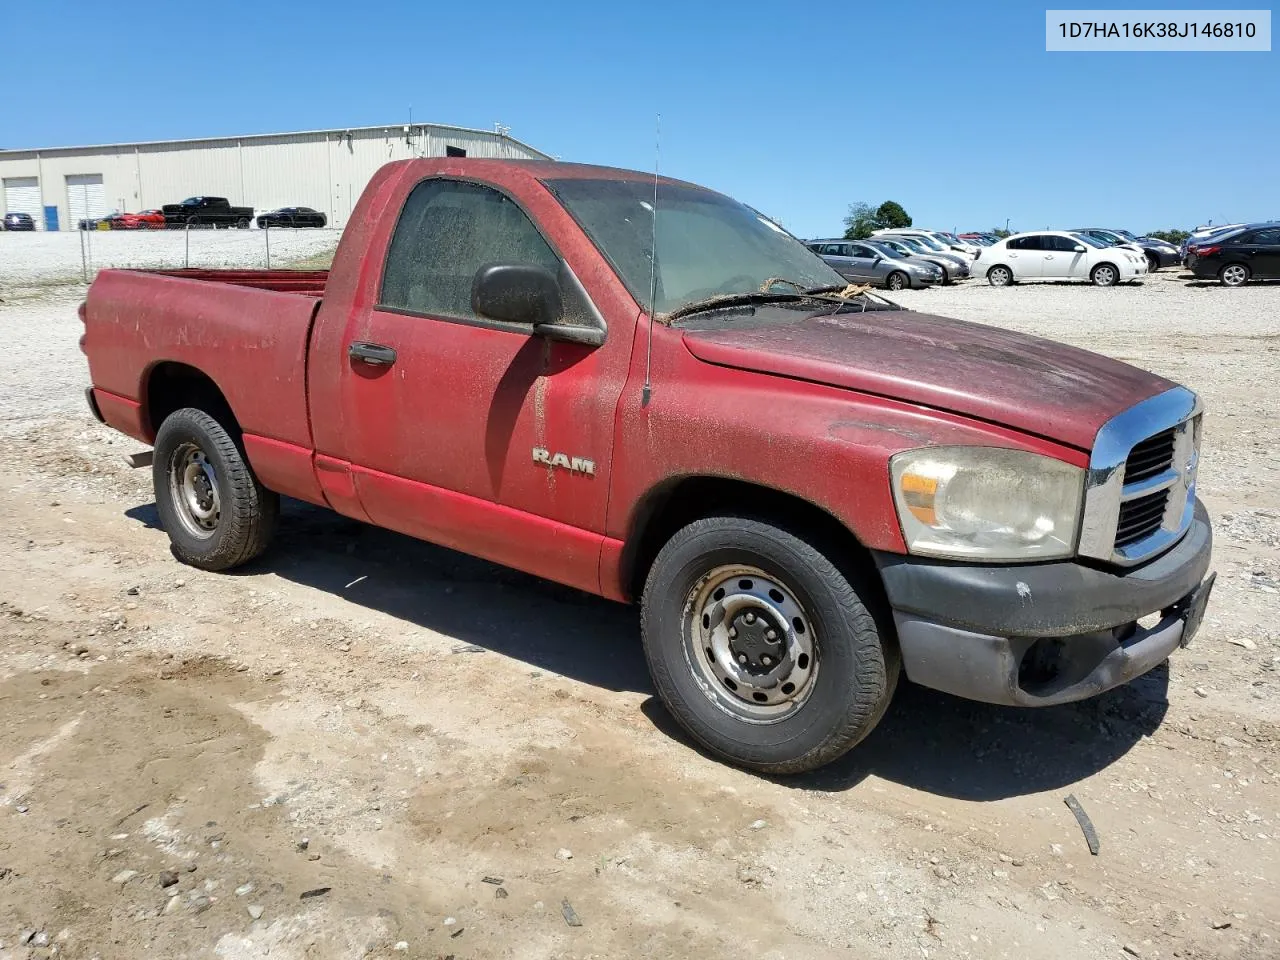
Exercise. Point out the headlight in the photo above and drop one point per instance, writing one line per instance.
(986, 502)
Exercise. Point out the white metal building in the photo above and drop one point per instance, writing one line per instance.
(322, 169)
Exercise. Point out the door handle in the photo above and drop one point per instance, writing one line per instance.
(374, 354)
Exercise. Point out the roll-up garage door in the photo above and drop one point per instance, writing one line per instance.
(22, 195)
(86, 198)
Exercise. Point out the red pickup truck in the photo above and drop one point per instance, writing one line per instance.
(651, 392)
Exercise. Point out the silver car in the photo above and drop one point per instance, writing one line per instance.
(863, 263)
(954, 266)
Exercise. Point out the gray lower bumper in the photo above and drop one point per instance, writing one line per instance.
(1036, 635)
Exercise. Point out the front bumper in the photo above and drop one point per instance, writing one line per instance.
(1042, 634)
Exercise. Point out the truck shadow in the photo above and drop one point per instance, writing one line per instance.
(927, 741)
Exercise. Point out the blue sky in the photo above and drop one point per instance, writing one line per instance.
(953, 109)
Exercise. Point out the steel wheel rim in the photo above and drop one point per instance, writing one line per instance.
(1234, 275)
(193, 488)
(1105, 276)
(895, 282)
(730, 613)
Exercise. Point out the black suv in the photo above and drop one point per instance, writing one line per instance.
(1233, 259)
(19, 221)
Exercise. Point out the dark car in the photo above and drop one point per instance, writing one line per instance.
(1233, 259)
(293, 217)
(1159, 253)
(19, 221)
(103, 222)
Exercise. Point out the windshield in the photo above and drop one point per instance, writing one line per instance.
(1124, 233)
(951, 238)
(708, 245)
(928, 242)
(1085, 238)
(913, 244)
(885, 248)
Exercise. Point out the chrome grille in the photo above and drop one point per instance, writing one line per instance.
(1141, 517)
(1150, 457)
(1140, 491)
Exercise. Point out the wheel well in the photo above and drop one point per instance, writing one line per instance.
(1104, 263)
(172, 386)
(675, 505)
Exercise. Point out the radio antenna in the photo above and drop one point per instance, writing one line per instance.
(647, 391)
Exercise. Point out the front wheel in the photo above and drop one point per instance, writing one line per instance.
(1234, 275)
(1000, 276)
(1104, 275)
(761, 648)
(1153, 263)
(242, 223)
(210, 503)
(897, 281)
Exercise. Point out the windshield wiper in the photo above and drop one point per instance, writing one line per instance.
(736, 300)
(841, 296)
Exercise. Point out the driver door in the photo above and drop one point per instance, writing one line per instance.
(445, 411)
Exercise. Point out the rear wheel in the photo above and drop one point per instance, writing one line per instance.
(761, 648)
(1104, 275)
(897, 281)
(1000, 276)
(242, 223)
(1234, 275)
(210, 503)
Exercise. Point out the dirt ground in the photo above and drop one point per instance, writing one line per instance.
(363, 745)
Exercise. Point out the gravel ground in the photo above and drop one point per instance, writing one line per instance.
(325, 755)
(33, 260)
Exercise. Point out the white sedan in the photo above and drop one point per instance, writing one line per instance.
(1057, 255)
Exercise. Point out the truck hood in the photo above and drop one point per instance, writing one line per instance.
(1028, 383)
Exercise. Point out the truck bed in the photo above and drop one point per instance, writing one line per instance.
(309, 283)
(246, 330)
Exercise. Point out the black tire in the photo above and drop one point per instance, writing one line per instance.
(242, 223)
(246, 511)
(1105, 275)
(855, 663)
(897, 281)
(1000, 276)
(1153, 263)
(946, 276)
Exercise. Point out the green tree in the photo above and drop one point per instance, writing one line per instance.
(859, 221)
(863, 219)
(891, 216)
(1001, 232)
(1174, 236)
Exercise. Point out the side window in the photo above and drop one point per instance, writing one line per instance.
(1016, 243)
(447, 231)
(1034, 242)
(1268, 238)
(1062, 244)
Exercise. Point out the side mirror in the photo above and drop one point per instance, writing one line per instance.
(528, 294)
(1079, 248)
(517, 293)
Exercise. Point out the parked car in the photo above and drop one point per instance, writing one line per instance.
(981, 239)
(1238, 256)
(954, 266)
(95, 223)
(293, 217)
(931, 241)
(1058, 255)
(1204, 234)
(146, 220)
(1158, 252)
(19, 221)
(202, 211)
(806, 492)
(864, 263)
